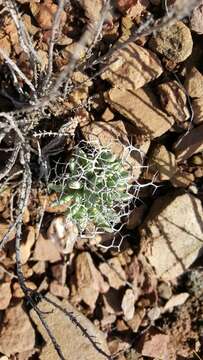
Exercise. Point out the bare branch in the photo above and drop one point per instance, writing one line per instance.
(24, 37)
(19, 72)
(54, 33)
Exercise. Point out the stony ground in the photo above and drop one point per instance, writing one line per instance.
(144, 298)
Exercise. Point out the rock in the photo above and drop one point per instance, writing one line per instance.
(18, 292)
(182, 179)
(107, 115)
(128, 304)
(89, 280)
(59, 290)
(174, 100)
(5, 295)
(44, 14)
(189, 144)
(197, 105)
(136, 321)
(16, 321)
(63, 233)
(154, 313)
(4, 199)
(26, 246)
(114, 136)
(164, 290)
(73, 343)
(39, 268)
(174, 42)
(107, 134)
(196, 19)
(194, 83)
(132, 67)
(176, 300)
(93, 13)
(162, 161)
(172, 234)
(45, 250)
(133, 8)
(4, 227)
(142, 109)
(114, 272)
(154, 344)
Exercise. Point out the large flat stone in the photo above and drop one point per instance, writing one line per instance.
(132, 67)
(142, 109)
(73, 343)
(172, 234)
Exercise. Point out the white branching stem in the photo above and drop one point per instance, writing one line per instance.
(22, 203)
(10, 62)
(90, 35)
(23, 35)
(11, 162)
(54, 33)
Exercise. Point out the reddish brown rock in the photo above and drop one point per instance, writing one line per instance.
(172, 234)
(89, 280)
(5, 295)
(174, 42)
(162, 162)
(132, 67)
(189, 144)
(16, 321)
(197, 105)
(194, 83)
(174, 100)
(74, 345)
(154, 345)
(114, 272)
(142, 109)
(196, 19)
(46, 250)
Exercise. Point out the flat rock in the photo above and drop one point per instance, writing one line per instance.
(132, 7)
(17, 334)
(46, 250)
(73, 343)
(132, 67)
(172, 234)
(5, 295)
(27, 245)
(194, 83)
(190, 144)
(114, 273)
(196, 19)
(90, 282)
(174, 42)
(136, 321)
(197, 105)
(142, 109)
(128, 304)
(182, 179)
(174, 100)
(162, 161)
(176, 300)
(154, 345)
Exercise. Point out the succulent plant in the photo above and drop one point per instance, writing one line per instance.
(95, 186)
